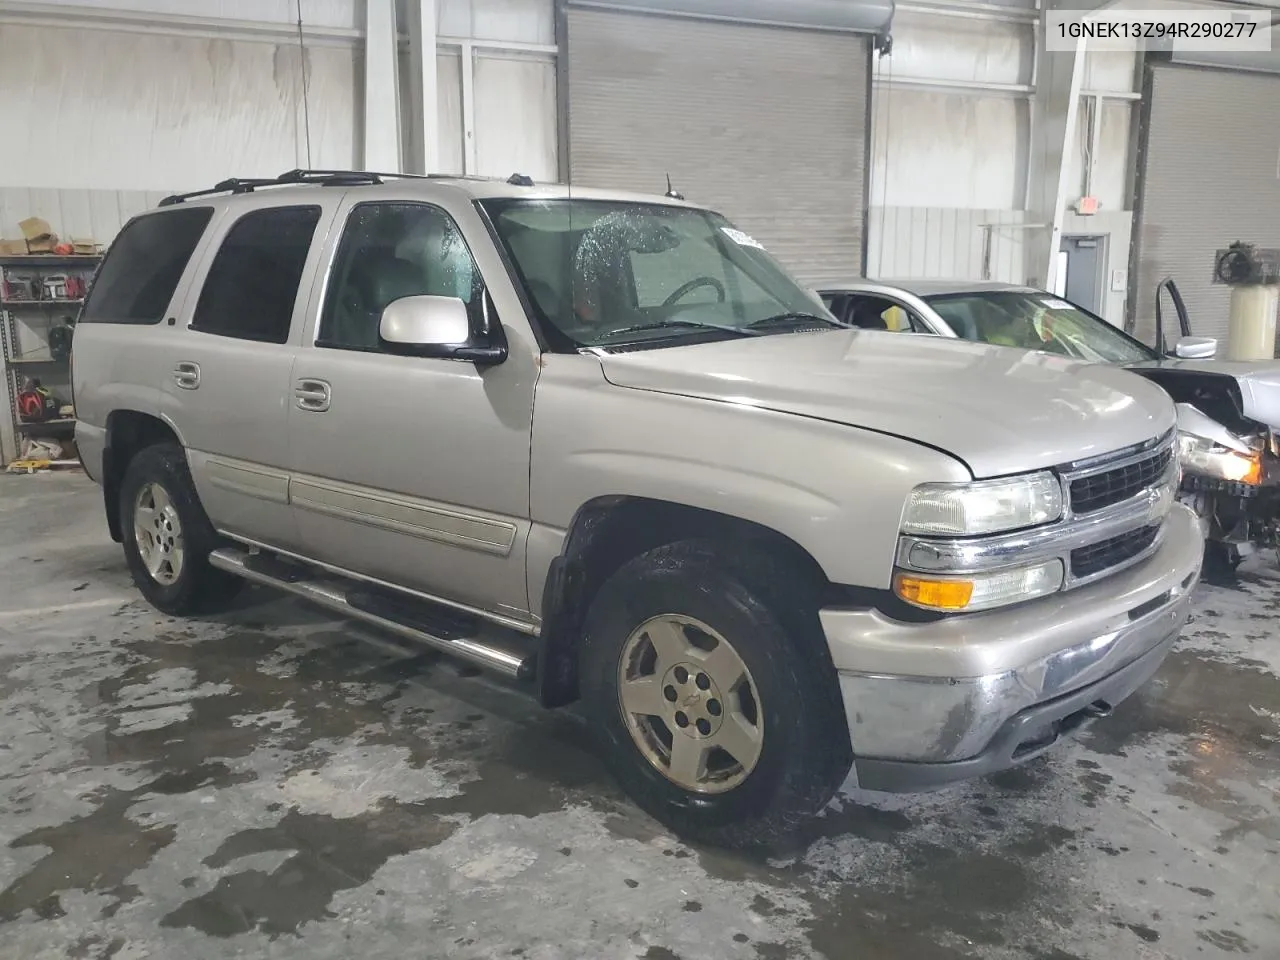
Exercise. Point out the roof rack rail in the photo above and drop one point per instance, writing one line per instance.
(326, 178)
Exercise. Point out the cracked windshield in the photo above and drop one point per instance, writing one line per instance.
(607, 273)
(1037, 321)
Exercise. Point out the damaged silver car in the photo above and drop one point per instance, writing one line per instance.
(1228, 411)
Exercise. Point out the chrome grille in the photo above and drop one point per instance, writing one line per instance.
(1105, 554)
(1109, 487)
(1116, 506)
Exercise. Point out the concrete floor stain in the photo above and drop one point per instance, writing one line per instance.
(325, 855)
(94, 853)
(207, 787)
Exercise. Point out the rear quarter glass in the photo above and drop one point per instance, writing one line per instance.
(143, 266)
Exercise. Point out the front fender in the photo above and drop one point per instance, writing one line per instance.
(836, 491)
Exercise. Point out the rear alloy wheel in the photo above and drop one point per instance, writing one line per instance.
(157, 529)
(690, 704)
(709, 690)
(168, 536)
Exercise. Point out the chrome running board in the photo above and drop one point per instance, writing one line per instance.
(467, 638)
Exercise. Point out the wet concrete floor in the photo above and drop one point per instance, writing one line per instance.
(278, 783)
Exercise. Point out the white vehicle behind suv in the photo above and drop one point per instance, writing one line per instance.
(605, 444)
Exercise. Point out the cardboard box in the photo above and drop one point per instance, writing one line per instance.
(84, 247)
(13, 248)
(33, 228)
(40, 236)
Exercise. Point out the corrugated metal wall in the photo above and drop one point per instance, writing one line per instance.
(96, 214)
(1211, 176)
(133, 111)
(342, 14)
(162, 111)
(517, 21)
(947, 243)
(950, 136)
(766, 125)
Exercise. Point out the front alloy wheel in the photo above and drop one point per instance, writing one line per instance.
(710, 694)
(690, 704)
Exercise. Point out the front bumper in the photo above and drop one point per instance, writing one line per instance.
(930, 703)
(1242, 514)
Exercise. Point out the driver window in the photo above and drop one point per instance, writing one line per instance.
(389, 251)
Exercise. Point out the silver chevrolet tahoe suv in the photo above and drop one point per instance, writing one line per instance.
(605, 444)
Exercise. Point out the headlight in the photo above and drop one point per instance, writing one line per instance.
(1211, 459)
(983, 507)
(979, 591)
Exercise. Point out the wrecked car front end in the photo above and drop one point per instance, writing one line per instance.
(1230, 456)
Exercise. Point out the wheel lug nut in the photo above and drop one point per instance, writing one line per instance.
(713, 707)
(682, 721)
(682, 675)
(704, 727)
(670, 693)
(703, 681)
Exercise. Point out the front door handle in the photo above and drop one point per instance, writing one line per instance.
(312, 395)
(187, 375)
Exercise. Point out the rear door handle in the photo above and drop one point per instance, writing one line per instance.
(187, 375)
(312, 395)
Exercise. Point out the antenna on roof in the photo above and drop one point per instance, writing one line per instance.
(671, 191)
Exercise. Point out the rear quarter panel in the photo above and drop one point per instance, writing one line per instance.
(114, 367)
(123, 366)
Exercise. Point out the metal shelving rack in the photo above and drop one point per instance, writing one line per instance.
(23, 360)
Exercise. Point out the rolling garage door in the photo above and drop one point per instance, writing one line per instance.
(765, 122)
(1209, 175)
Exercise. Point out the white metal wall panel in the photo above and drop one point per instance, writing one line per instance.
(1209, 177)
(449, 103)
(345, 14)
(929, 46)
(91, 214)
(943, 243)
(1112, 71)
(127, 111)
(513, 21)
(1111, 153)
(951, 119)
(516, 117)
(1111, 165)
(767, 125)
(948, 149)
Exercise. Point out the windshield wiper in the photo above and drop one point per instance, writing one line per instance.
(796, 319)
(675, 324)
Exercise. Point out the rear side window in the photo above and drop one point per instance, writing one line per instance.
(253, 282)
(142, 269)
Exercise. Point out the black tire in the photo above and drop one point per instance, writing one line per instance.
(1220, 562)
(770, 617)
(198, 588)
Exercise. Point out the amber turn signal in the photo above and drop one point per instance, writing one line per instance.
(938, 594)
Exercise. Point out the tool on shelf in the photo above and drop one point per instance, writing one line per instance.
(40, 294)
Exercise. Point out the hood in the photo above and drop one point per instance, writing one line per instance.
(1258, 382)
(999, 410)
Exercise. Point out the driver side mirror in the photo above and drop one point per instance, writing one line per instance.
(436, 327)
(1196, 348)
